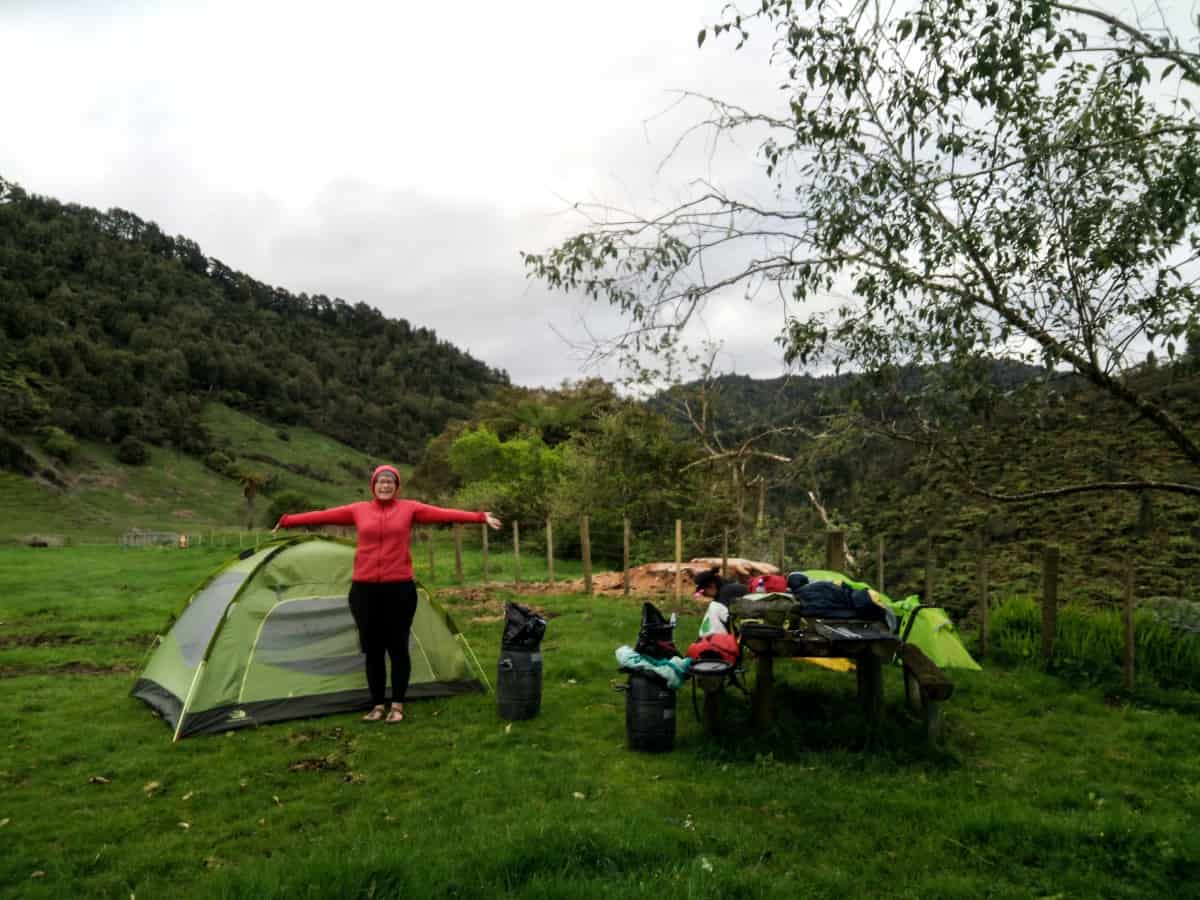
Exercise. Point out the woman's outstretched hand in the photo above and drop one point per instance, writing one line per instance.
(492, 521)
(277, 524)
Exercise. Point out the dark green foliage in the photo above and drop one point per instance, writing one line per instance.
(57, 442)
(512, 478)
(132, 452)
(219, 462)
(118, 329)
(287, 501)
(579, 450)
(1045, 432)
(551, 416)
(635, 465)
(21, 404)
(14, 456)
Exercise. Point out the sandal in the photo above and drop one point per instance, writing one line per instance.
(374, 715)
(394, 716)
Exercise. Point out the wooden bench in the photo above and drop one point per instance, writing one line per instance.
(926, 687)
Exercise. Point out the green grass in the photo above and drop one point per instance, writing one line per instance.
(172, 492)
(1037, 789)
(340, 468)
(1089, 642)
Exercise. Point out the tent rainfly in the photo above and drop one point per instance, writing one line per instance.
(269, 636)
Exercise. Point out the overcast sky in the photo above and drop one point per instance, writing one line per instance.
(386, 152)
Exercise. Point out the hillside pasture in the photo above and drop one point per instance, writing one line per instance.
(173, 491)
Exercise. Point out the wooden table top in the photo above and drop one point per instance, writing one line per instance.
(823, 637)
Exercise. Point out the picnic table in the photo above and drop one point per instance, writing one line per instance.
(867, 643)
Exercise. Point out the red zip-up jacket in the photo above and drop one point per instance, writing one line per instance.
(384, 529)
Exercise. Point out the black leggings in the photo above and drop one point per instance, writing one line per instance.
(383, 612)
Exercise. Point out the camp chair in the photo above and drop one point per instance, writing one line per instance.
(713, 676)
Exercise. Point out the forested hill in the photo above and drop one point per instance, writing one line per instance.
(110, 327)
(741, 405)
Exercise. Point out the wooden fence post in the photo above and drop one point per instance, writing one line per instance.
(879, 567)
(516, 553)
(1049, 602)
(429, 541)
(585, 539)
(725, 554)
(835, 551)
(930, 566)
(625, 554)
(985, 600)
(549, 551)
(678, 558)
(484, 552)
(1127, 615)
(458, 573)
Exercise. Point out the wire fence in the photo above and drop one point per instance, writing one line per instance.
(497, 558)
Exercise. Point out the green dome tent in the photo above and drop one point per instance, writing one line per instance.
(269, 636)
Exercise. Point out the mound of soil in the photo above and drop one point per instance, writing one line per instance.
(659, 577)
(481, 605)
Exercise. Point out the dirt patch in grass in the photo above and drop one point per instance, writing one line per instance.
(43, 540)
(329, 762)
(40, 639)
(68, 668)
(481, 606)
(334, 761)
(62, 639)
(97, 481)
(336, 733)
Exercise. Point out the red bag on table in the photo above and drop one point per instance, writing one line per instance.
(715, 646)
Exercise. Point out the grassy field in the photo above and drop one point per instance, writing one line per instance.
(177, 492)
(1038, 790)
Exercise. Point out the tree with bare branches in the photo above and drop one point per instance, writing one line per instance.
(952, 182)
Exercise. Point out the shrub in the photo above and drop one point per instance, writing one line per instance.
(287, 502)
(219, 462)
(132, 452)
(57, 442)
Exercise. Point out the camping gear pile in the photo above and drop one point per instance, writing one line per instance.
(656, 671)
(519, 670)
(715, 653)
(792, 602)
(926, 627)
(269, 636)
(829, 604)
